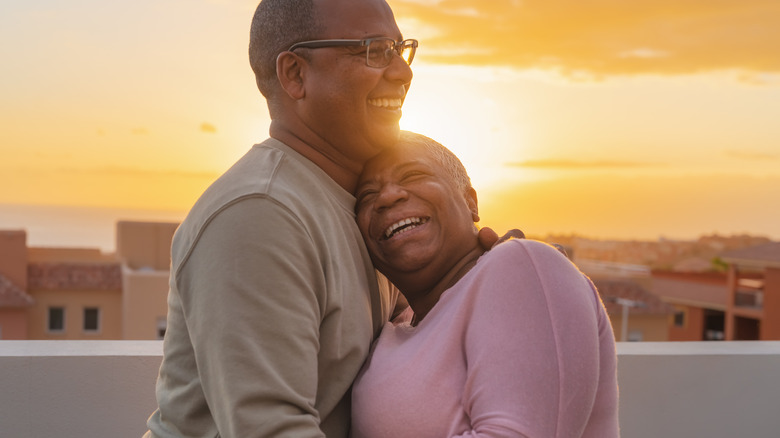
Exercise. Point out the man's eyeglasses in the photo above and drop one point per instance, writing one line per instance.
(379, 51)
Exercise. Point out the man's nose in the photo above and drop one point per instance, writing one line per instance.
(399, 71)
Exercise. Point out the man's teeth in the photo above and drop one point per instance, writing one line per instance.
(386, 102)
(403, 226)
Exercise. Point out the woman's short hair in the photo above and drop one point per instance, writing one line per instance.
(448, 161)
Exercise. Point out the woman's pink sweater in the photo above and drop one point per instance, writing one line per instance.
(521, 346)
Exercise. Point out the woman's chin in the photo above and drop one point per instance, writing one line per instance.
(408, 263)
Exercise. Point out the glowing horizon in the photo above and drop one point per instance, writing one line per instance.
(606, 120)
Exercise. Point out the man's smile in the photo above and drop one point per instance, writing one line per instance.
(391, 103)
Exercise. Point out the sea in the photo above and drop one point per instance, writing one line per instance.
(75, 227)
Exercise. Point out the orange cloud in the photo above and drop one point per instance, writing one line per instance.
(207, 127)
(573, 164)
(751, 155)
(599, 37)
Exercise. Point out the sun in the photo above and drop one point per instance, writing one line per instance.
(466, 121)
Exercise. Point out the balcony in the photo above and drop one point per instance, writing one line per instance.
(106, 388)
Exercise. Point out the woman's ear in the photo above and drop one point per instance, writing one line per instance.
(289, 71)
(471, 201)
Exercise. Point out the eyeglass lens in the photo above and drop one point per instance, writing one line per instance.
(380, 52)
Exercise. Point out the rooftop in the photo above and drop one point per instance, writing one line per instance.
(74, 276)
(760, 256)
(609, 289)
(707, 290)
(98, 389)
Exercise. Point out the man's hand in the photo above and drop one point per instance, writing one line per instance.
(489, 238)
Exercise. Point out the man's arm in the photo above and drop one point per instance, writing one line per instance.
(251, 292)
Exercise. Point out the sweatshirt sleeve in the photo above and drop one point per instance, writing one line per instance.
(532, 346)
(250, 297)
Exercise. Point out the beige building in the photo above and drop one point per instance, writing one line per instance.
(80, 293)
(635, 313)
(143, 249)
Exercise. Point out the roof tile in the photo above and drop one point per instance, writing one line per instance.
(12, 295)
(74, 276)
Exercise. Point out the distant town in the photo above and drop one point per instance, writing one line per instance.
(712, 288)
(700, 255)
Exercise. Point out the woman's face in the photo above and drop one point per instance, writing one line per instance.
(411, 214)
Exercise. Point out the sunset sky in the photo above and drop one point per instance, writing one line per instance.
(609, 119)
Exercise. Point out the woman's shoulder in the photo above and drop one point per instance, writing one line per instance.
(527, 249)
(524, 258)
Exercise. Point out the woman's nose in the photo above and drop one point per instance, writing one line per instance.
(390, 195)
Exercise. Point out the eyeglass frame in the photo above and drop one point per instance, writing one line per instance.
(317, 44)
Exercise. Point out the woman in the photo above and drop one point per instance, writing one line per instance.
(513, 342)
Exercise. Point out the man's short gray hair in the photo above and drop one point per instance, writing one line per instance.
(277, 25)
(448, 161)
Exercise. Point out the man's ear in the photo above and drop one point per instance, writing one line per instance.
(289, 70)
(471, 201)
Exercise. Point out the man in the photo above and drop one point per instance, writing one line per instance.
(273, 301)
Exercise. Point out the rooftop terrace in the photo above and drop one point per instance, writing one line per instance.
(106, 388)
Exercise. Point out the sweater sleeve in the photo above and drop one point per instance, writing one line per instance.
(532, 346)
(250, 296)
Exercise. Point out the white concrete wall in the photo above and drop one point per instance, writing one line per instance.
(90, 389)
(105, 389)
(699, 389)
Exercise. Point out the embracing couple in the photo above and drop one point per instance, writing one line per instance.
(279, 324)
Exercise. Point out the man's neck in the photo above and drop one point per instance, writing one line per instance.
(343, 171)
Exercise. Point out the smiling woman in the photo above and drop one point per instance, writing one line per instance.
(491, 342)
(416, 216)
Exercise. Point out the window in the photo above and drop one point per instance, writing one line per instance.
(162, 325)
(679, 318)
(56, 321)
(91, 319)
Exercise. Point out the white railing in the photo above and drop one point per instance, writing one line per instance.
(105, 389)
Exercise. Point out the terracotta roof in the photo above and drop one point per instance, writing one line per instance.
(708, 290)
(710, 277)
(74, 276)
(610, 289)
(12, 295)
(766, 255)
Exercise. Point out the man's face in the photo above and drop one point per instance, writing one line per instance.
(353, 107)
(411, 214)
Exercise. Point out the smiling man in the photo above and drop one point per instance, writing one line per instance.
(273, 300)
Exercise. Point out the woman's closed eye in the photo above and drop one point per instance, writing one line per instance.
(365, 197)
(413, 175)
